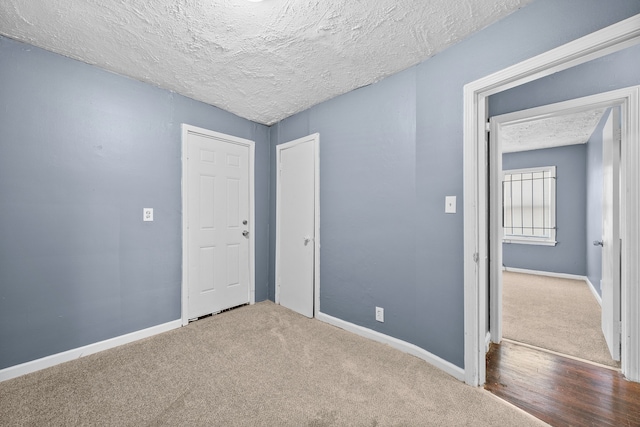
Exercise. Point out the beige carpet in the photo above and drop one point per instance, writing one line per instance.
(557, 314)
(259, 365)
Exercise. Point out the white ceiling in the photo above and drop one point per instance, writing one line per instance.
(555, 131)
(262, 61)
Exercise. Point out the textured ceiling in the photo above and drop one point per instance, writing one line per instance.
(262, 61)
(555, 131)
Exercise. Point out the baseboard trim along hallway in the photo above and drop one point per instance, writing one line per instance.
(403, 346)
(76, 353)
(55, 359)
(558, 275)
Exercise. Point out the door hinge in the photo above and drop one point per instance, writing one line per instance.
(476, 257)
(620, 327)
(487, 126)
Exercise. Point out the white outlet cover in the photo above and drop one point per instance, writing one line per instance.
(380, 314)
(147, 214)
(450, 204)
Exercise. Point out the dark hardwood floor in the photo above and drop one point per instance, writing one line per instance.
(559, 390)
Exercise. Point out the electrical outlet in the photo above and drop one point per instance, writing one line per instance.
(147, 214)
(380, 314)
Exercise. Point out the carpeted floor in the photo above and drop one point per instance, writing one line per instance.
(557, 314)
(259, 365)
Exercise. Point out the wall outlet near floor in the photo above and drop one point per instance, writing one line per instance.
(380, 314)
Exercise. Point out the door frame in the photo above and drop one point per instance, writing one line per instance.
(315, 140)
(612, 144)
(617, 98)
(616, 37)
(186, 131)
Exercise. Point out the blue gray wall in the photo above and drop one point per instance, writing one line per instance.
(82, 151)
(615, 71)
(569, 254)
(391, 152)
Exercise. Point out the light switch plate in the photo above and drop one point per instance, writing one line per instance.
(450, 204)
(147, 214)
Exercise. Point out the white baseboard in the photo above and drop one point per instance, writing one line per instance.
(76, 353)
(559, 275)
(403, 346)
(544, 273)
(593, 291)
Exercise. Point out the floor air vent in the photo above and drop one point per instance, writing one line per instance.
(217, 312)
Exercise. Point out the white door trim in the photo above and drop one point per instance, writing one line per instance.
(476, 234)
(189, 129)
(617, 98)
(315, 139)
(612, 143)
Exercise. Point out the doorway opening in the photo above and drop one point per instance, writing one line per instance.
(544, 292)
(476, 192)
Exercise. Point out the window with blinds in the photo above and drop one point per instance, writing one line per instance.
(529, 206)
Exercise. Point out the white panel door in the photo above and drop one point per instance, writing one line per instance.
(218, 214)
(611, 233)
(296, 225)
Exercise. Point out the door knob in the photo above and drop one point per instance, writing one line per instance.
(598, 243)
(245, 233)
(307, 239)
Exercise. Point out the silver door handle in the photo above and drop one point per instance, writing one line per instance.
(245, 233)
(307, 239)
(598, 243)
